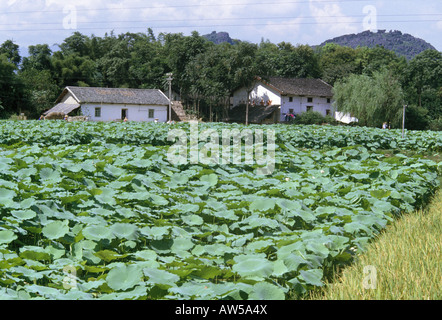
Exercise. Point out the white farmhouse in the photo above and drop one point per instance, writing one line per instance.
(284, 96)
(110, 104)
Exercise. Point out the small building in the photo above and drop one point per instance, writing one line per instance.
(290, 95)
(111, 104)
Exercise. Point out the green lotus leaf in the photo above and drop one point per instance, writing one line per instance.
(253, 266)
(279, 268)
(24, 214)
(125, 231)
(380, 194)
(124, 277)
(266, 291)
(304, 215)
(50, 176)
(193, 220)
(55, 230)
(27, 203)
(158, 200)
(161, 277)
(34, 253)
(88, 166)
(293, 261)
(7, 236)
(106, 196)
(179, 179)
(7, 197)
(227, 214)
(210, 179)
(288, 204)
(98, 233)
(263, 204)
(356, 228)
(108, 255)
(155, 233)
(312, 277)
(47, 292)
(146, 255)
(189, 208)
(317, 248)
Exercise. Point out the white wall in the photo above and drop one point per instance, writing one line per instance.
(300, 104)
(260, 93)
(69, 99)
(345, 118)
(112, 112)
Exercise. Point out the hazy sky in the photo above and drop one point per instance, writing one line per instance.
(297, 21)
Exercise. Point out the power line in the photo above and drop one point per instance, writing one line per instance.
(216, 25)
(188, 6)
(226, 19)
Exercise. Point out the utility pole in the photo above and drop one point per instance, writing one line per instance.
(403, 122)
(169, 79)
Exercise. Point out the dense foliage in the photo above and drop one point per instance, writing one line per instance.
(17, 133)
(95, 211)
(205, 74)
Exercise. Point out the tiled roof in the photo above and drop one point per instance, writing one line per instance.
(63, 108)
(301, 87)
(117, 96)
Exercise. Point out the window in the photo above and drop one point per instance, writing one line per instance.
(290, 99)
(309, 108)
(328, 100)
(310, 100)
(328, 112)
(291, 111)
(97, 112)
(151, 113)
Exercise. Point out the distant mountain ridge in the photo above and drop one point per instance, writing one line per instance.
(220, 37)
(403, 44)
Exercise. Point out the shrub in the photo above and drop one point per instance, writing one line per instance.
(435, 125)
(310, 117)
(416, 118)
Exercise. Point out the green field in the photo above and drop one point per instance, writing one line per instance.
(96, 211)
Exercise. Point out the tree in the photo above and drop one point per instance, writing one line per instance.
(338, 62)
(244, 62)
(73, 70)
(76, 44)
(373, 100)
(12, 52)
(148, 63)
(40, 90)
(211, 80)
(181, 51)
(424, 81)
(297, 62)
(267, 57)
(375, 59)
(39, 58)
(10, 87)
(416, 118)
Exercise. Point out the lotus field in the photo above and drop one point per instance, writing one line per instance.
(96, 210)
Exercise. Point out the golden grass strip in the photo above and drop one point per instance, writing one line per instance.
(404, 263)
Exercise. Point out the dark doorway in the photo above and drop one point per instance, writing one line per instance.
(124, 114)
